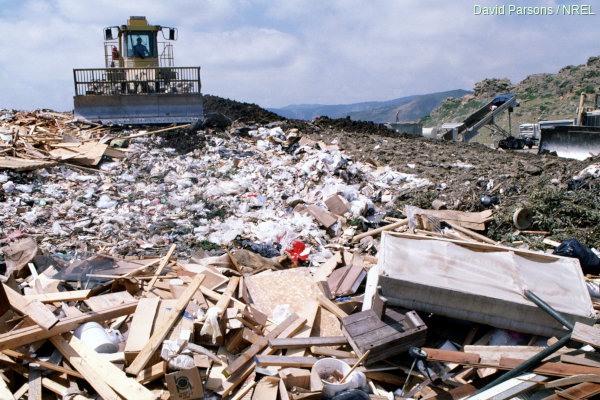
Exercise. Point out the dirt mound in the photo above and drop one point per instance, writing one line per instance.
(242, 112)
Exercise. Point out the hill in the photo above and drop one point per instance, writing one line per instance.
(408, 111)
(542, 96)
(411, 107)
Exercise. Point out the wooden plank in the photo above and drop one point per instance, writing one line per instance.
(41, 363)
(331, 306)
(159, 335)
(327, 267)
(152, 373)
(66, 296)
(266, 389)
(247, 355)
(34, 309)
(108, 300)
(35, 384)
(547, 368)
(301, 342)
(329, 352)
(163, 262)
(581, 391)
(237, 378)
(374, 232)
(492, 354)
(572, 380)
(92, 376)
(141, 326)
(20, 337)
(202, 350)
(511, 388)
(457, 357)
(284, 361)
(580, 360)
(5, 392)
(127, 387)
(550, 368)
(586, 334)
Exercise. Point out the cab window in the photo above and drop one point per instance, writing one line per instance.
(140, 45)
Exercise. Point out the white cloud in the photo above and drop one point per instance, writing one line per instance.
(293, 51)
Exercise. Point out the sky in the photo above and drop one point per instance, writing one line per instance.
(279, 52)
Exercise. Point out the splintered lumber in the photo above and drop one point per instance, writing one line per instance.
(470, 233)
(586, 334)
(127, 387)
(285, 361)
(303, 342)
(89, 371)
(266, 389)
(258, 346)
(238, 377)
(34, 309)
(573, 380)
(30, 334)
(204, 351)
(243, 391)
(5, 392)
(154, 372)
(373, 232)
(581, 391)
(327, 267)
(41, 363)
(161, 266)
(471, 359)
(66, 296)
(161, 333)
(331, 306)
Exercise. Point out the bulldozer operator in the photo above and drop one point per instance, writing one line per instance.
(139, 50)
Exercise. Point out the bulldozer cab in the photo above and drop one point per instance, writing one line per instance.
(139, 83)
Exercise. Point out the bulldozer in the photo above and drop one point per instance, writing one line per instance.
(139, 83)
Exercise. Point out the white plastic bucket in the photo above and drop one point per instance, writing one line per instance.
(94, 335)
(327, 367)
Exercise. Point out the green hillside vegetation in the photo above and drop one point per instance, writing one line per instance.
(541, 96)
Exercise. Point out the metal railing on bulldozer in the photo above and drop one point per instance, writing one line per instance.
(136, 81)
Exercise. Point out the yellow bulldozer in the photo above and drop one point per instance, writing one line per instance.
(139, 83)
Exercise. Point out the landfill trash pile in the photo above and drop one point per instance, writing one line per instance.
(267, 259)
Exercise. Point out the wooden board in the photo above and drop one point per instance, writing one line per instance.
(66, 296)
(108, 300)
(33, 309)
(141, 327)
(586, 334)
(159, 335)
(112, 375)
(30, 334)
(22, 164)
(285, 361)
(301, 342)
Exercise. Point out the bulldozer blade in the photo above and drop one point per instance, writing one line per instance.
(139, 109)
(577, 142)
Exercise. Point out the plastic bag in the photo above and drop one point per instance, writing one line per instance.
(211, 324)
(590, 263)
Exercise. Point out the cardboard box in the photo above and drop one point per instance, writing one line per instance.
(185, 384)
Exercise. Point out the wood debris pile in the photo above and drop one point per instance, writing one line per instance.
(424, 306)
(39, 139)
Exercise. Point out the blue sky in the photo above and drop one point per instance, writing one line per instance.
(275, 53)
